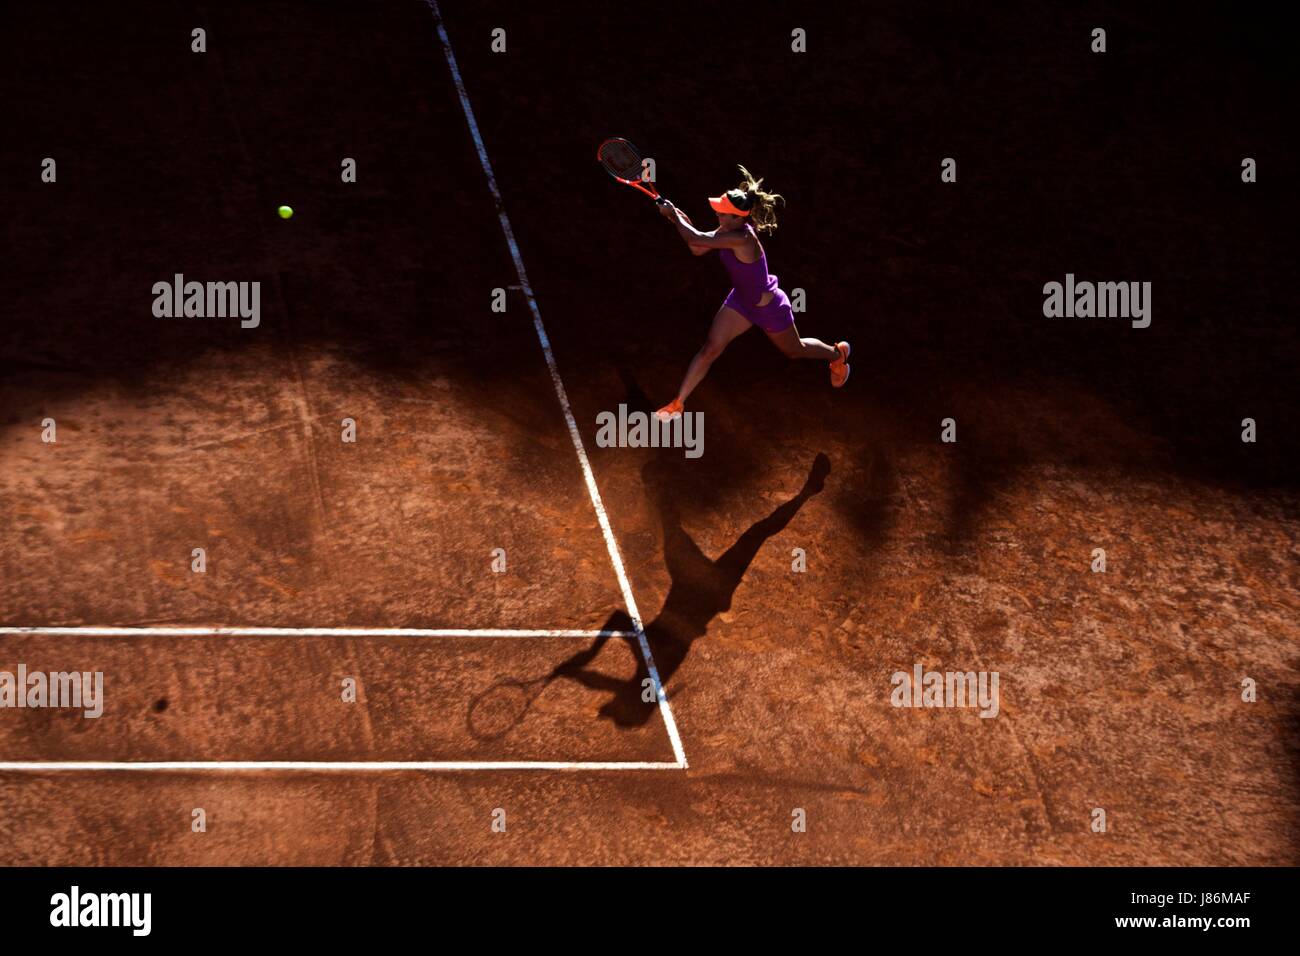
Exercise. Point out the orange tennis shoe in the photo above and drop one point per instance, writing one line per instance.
(840, 367)
(670, 411)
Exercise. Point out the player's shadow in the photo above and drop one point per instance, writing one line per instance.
(700, 589)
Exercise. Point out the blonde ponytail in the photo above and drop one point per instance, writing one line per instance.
(761, 205)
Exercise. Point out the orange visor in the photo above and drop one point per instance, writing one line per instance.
(724, 204)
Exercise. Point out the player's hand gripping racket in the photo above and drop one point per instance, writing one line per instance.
(623, 161)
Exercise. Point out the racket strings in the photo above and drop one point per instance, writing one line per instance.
(621, 159)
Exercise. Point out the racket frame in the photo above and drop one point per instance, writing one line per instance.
(644, 185)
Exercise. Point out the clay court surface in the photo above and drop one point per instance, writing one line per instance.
(1119, 691)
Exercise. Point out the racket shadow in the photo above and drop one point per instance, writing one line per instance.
(700, 589)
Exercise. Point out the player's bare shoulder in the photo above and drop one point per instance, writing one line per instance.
(751, 250)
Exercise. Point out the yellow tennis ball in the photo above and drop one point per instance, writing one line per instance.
(285, 212)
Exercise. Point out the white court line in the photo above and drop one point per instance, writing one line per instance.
(610, 544)
(185, 631)
(308, 766)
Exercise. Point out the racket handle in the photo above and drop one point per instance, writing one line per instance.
(661, 201)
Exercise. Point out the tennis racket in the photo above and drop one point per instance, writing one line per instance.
(501, 708)
(622, 160)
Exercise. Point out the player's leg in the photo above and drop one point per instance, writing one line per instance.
(727, 324)
(794, 346)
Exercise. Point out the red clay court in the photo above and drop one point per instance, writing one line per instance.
(702, 692)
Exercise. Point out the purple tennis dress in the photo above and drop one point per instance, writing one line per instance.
(749, 281)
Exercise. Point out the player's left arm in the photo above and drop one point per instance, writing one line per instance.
(670, 211)
(705, 241)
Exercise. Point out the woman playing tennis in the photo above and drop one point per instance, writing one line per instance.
(755, 299)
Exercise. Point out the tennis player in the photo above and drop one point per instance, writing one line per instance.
(755, 298)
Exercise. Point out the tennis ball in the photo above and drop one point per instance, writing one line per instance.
(285, 212)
